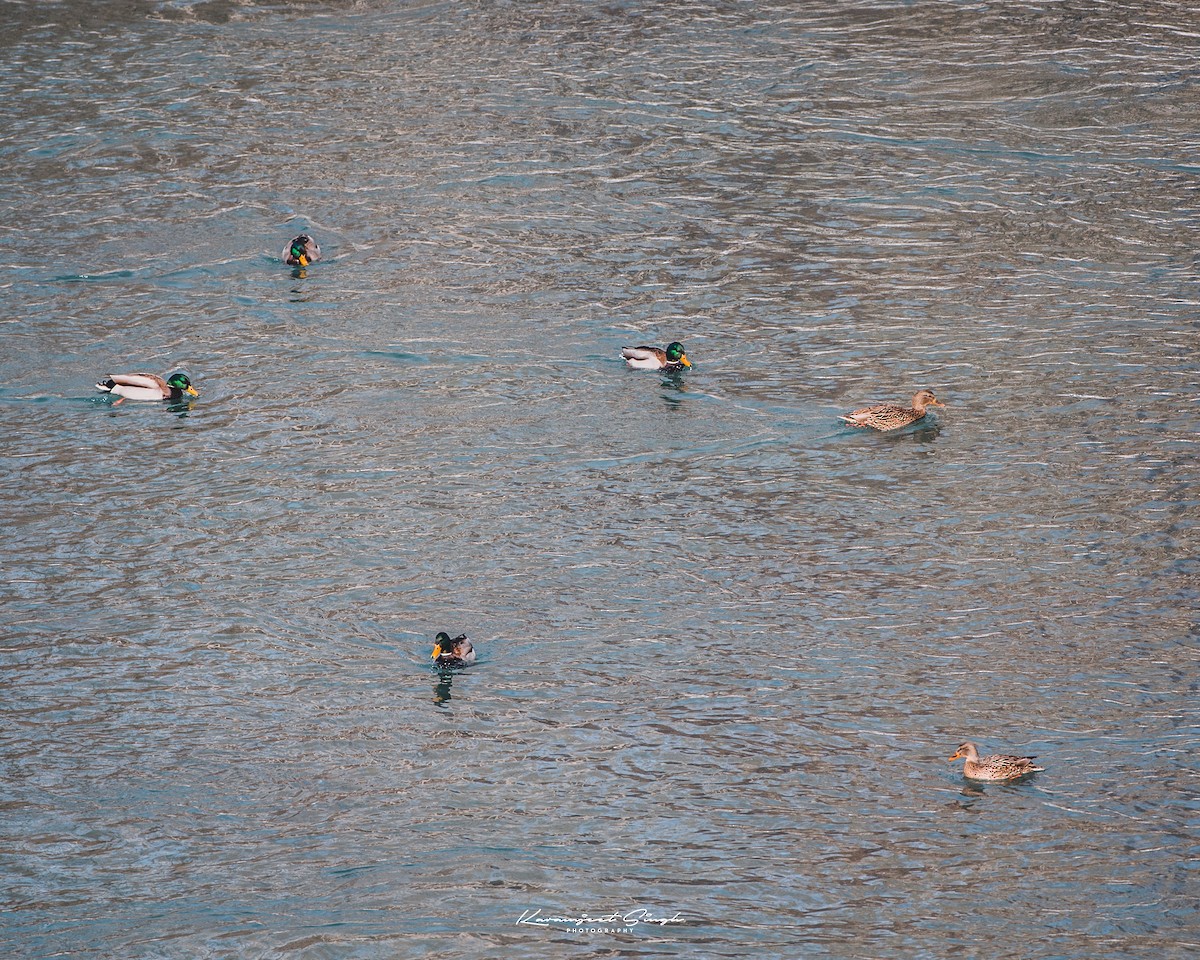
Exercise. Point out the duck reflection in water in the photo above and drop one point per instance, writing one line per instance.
(441, 689)
(673, 385)
(926, 433)
(449, 656)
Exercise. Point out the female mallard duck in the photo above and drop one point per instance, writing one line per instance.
(889, 416)
(453, 653)
(995, 767)
(654, 358)
(147, 386)
(302, 251)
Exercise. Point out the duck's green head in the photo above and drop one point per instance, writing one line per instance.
(180, 381)
(299, 250)
(675, 354)
(442, 644)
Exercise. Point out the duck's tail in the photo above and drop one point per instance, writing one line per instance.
(106, 385)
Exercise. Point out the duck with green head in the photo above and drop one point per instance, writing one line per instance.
(671, 359)
(449, 653)
(147, 386)
(301, 252)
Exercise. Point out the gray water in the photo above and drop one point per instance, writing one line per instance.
(726, 643)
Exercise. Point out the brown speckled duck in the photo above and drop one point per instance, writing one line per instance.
(891, 416)
(995, 767)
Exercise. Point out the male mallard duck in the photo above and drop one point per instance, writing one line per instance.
(302, 251)
(654, 358)
(889, 416)
(147, 386)
(453, 653)
(996, 767)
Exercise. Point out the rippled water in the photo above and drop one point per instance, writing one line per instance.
(726, 644)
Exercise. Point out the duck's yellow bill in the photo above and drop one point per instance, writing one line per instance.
(685, 361)
(192, 390)
(303, 260)
(437, 652)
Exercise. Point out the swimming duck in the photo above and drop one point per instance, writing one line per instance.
(655, 358)
(890, 416)
(453, 653)
(995, 767)
(302, 251)
(147, 386)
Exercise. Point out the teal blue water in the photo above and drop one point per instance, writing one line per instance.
(726, 643)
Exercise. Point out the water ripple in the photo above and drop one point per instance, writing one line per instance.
(725, 642)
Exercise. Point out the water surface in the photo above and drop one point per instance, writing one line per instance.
(726, 643)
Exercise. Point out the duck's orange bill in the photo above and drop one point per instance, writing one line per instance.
(437, 651)
(303, 260)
